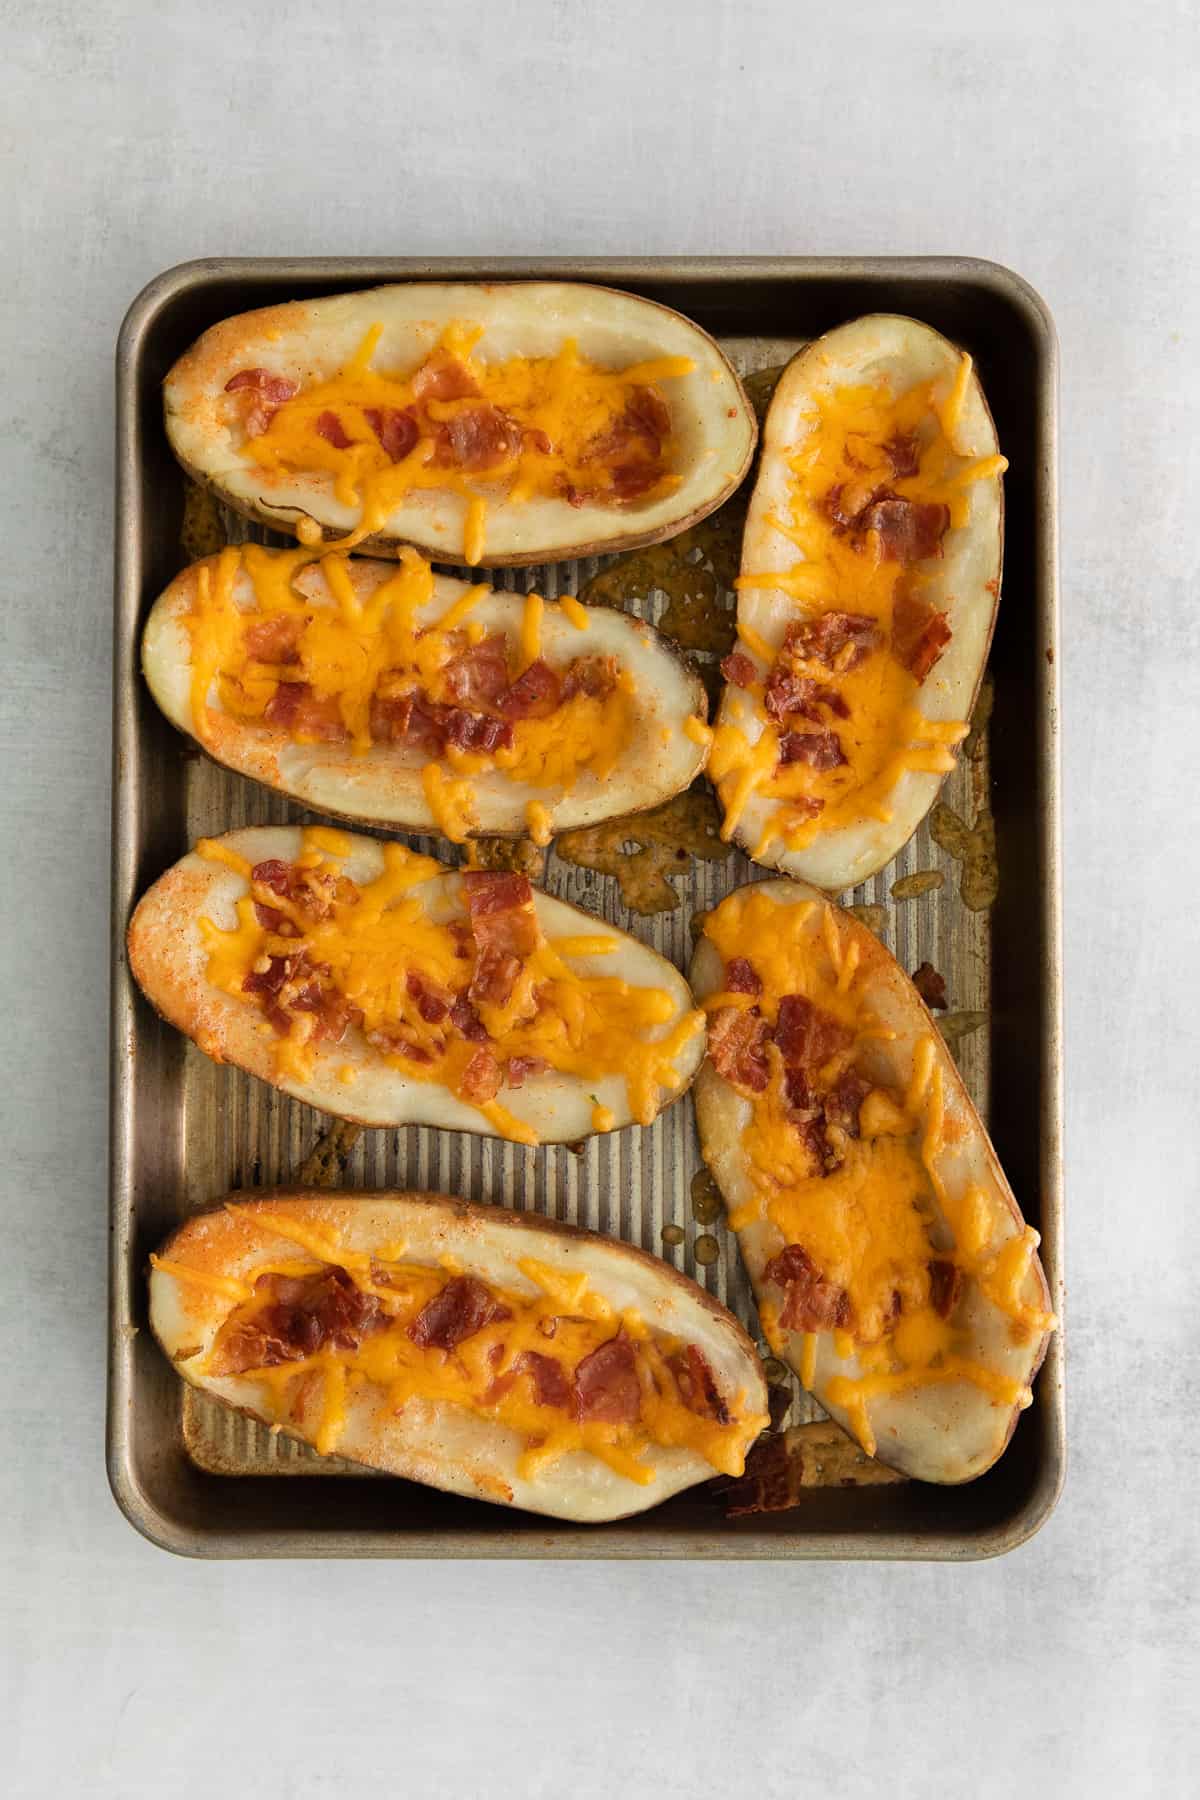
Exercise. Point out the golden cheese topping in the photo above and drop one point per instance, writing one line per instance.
(547, 1357)
(325, 661)
(874, 1242)
(520, 428)
(828, 722)
(472, 1004)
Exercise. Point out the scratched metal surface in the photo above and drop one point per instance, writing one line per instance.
(629, 1184)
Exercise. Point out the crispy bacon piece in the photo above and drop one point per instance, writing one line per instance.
(480, 1080)
(463, 1307)
(274, 639)
(738, 670)
(630, 449)
(432, 1004)
(840, 640)
(904, 454)
(550, 1384)
(330, 427)
(607, 1389)
(496, 974)
(423, 724)
(910, 531)
(479, 676)
(276, 875)
(533, 695)
(302, 1316)
(595, 676)
(443, 377)
(787, 693)
(821, 750)
(920, 633)
(297, 710)
(476, 731)
(741, 977)
(806, 1035)
(334, 1013)
(697, 1385)
(518, 1069)
(478, 438)
(945, 1287)
(398, 1043)
(268, 981)
(931, 985)
(500, 908)
(737, 1047)
(269, 394)
(396, 428)
(810, 1302)
(842, 1103)
(466, 1020)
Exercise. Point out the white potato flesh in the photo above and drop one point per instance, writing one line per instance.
(433, 1441)
(940, 1433)
(714, 430)
(383, 785)
(964, 584)
(169, 961)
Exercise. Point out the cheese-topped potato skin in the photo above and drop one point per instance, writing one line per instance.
(428, 1406)
(866, 1194)
(648, 1057)
(881, 703)
(305, 342)
(634, 743)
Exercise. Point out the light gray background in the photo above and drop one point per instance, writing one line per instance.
(1060, 140)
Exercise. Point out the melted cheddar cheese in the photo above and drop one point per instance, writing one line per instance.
(553, 1313)
(350, 650)
(874, 1222)
(880, 728)
(378, 936)
(560, 412)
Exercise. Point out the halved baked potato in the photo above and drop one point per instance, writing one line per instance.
(870, 579)
(514, 422)
(490, 1353)
(892, 1266)
(383, 692)
(379, 986)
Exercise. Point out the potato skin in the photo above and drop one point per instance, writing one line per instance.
(312, 338)
(434, 1443)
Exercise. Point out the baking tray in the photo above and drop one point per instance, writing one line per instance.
(198, 1480)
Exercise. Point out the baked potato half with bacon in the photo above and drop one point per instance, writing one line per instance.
(490, 1353)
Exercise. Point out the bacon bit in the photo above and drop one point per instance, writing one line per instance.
(274, 874)
(840, 640)
(301, 1318)
(334, 1013)
(443, 377)
(496, 974)
(607, 1390)
(396, 428)
(697, 1385)
(737, 1047)
(422, 724)
(269, 391)
(463, 1307)
(810, 1302)
(595, 676)
(466, 1020)
(841, 1104)
(910, 531)
(479, 676)
(931, 986)
(475, 731)
(904, 454)
(519, 1068)
(297, 710)
(480, 1080)
(478, 438)
(398, 1043)
(821, 750)
(534, 695)
(329, 427)
(500, 908)
(274, 639)
(738, 670)
(806, 1035)
(920, 634)
(431, 1003)
(945, 1287)
(788, 693)
(550, 1384)
(741, 977)
(268, 981)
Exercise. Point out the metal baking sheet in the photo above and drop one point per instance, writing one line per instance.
(198, 1479)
